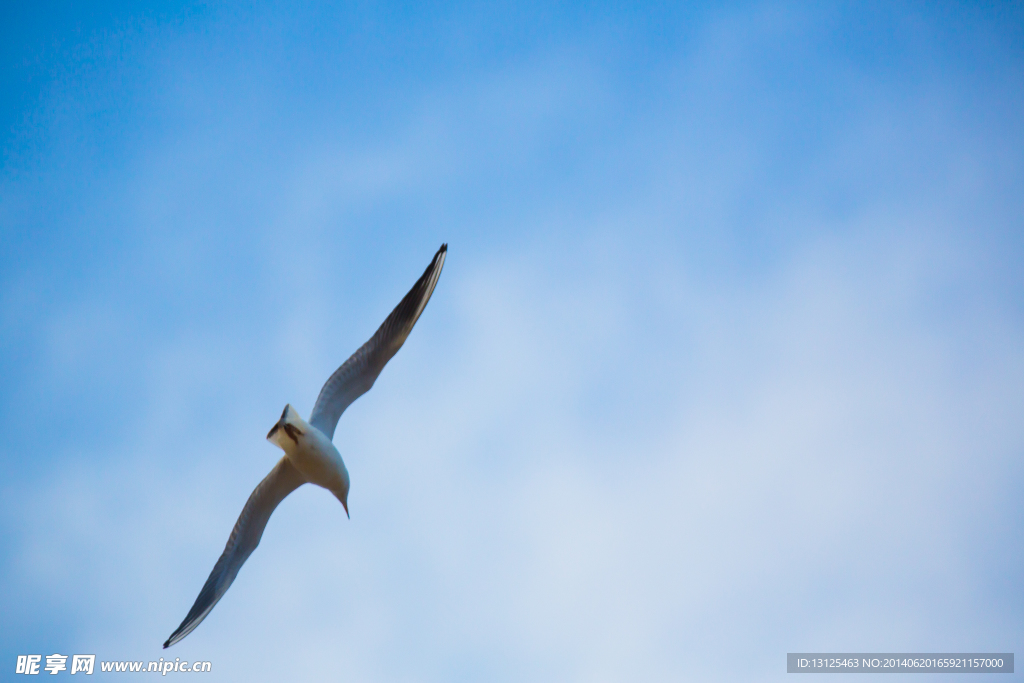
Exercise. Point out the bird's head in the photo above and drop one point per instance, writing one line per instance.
(344, 498)
(341, 492)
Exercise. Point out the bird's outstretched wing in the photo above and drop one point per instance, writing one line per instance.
(281, 481)
(356, 375)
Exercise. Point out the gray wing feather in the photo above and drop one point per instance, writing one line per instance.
(355, 377)
(281, 481)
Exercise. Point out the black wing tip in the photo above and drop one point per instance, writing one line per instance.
(432, 270)
(167, 643)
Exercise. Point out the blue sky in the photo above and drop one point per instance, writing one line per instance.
(727, 359)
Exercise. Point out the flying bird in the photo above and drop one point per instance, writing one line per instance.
(309, 453)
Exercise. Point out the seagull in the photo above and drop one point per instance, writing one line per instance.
(309, 453)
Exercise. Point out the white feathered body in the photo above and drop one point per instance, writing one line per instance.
(312, 453)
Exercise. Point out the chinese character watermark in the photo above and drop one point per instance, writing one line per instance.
(55, 663)
(28, 664)
(82, 663)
